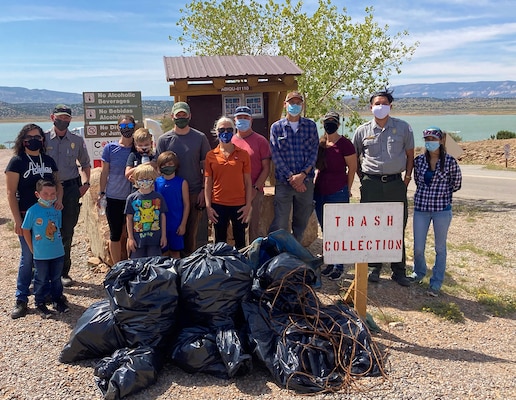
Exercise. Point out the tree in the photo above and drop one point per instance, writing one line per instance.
(339, 57)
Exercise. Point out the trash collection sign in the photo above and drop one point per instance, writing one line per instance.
(363, 233)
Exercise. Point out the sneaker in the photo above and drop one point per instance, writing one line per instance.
(401, 279)
(61, 306)
(432, 292)
(414, 278)
(374, 276)
(43, 310)
(19, 310)
(328, 270)
(66, 281)
(336, 274)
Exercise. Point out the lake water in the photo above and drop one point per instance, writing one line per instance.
(470, 127)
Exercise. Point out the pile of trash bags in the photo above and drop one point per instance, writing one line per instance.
(218, 311)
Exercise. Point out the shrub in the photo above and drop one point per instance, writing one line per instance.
(455, 136)
(505, 135)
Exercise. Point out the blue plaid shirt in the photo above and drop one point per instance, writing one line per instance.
(437, 195)
(293, 152)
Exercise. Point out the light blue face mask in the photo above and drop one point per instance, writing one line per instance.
(46, 203)
(432, 146)
(294, 109)
(242, 124)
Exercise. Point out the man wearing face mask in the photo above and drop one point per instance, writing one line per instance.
(67, 150)
(293, 141)
(385, 149)
(259, 151)
(190, 146)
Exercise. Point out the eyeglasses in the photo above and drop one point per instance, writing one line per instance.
(37, 137)
(130, 125)
(222, 130)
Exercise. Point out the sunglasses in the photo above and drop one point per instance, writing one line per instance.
(222, 130)
(130, 125)
(37, 137)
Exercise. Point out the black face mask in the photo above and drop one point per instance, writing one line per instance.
(127, 132)
(33, 144)
(61, 125)
(331, 127)
(181, 122)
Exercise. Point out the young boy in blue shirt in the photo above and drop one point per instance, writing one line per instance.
(41, 230)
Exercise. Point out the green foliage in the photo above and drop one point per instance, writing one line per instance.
(167, 123)
(339, 57)
(2, 146)
(455, 136)
(505, 135)
(498, 305)
(448, 311)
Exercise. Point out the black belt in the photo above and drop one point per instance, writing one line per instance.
(385, 178)
(72, 182)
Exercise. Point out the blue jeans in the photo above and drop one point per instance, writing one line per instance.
(441, 221)
(24, 272)
(48, 272)
(301, 204)
(342, 196)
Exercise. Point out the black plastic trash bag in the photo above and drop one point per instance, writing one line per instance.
(314, 350)
(126, 372)
(143, 295)
(277, 242)
(218, 353)
(214, 280)
(286, 280)
(95, 334)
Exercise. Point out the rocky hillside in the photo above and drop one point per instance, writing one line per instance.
(489, 152)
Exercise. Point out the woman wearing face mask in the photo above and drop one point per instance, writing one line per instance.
(28, 165)
(115, 186)
(437, 176)
(336, 166)
(228, 186)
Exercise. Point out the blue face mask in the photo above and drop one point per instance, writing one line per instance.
(225, 137)
(432, 146)
(243, 125)
(294, 109)
(46, 203)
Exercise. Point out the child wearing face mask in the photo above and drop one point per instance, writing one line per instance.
(145, 212)
(143, 154)
(41, 230)
(174, 189)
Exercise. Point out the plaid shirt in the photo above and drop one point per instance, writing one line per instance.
(438, 194)
(293, 152)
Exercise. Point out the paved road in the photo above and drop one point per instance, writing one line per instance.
(479, 183)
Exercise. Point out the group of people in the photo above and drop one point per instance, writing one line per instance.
(381, 153)
(45, 180)
(155, 199)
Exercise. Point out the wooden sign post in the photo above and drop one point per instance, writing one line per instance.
(362, 233)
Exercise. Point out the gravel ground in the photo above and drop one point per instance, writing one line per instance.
(427, 357)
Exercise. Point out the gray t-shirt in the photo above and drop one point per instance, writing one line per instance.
(191, 150)
(383, 150)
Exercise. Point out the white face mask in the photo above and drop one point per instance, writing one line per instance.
(380, 111)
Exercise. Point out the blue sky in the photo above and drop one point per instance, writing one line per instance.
(115, 45)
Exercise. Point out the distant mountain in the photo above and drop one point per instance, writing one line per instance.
(18, 95)
(457, 90)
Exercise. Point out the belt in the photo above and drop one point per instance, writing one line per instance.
(71, 182)
(385, 178)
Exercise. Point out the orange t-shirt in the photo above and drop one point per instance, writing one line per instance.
(228, 175)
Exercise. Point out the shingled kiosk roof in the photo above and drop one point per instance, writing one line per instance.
(210, 74)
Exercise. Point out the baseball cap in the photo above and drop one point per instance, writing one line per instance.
(294, 95)
(243, 110)
(180, 106)
(61, 109)
(433, 131)
(332, 115)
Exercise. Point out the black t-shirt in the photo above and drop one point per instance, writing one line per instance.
(31, 169)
